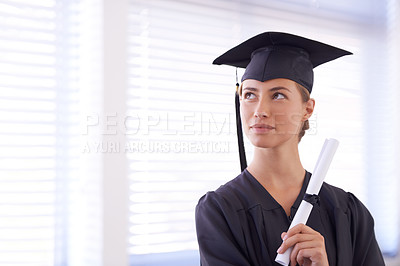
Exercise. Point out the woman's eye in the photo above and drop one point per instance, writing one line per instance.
(249, 96)
(278, 96)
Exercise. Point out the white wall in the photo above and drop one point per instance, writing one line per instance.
(115, 182)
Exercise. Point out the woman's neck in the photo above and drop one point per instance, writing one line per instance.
(279, 167)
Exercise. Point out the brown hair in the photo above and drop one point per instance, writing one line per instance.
(305, 96)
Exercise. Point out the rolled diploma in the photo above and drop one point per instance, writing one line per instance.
(318, 176)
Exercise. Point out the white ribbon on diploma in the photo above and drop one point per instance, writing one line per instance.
(318, 176)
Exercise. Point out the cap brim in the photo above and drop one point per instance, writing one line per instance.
(240, 55)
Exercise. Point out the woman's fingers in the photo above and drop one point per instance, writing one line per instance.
(297, 234)
(308, 251)
(302, 229)
(301, 243)
(308, 246)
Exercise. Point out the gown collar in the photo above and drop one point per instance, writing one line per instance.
(268, 202)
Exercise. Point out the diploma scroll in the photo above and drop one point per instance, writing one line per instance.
(313, 188)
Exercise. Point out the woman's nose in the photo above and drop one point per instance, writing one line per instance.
(262, 110)
(260, 114)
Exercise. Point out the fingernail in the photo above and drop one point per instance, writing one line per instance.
(279, 250)
(285, 237)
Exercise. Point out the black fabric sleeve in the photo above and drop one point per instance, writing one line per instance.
(366, 251)
(218, 233)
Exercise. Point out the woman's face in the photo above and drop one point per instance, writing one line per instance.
(273, 111)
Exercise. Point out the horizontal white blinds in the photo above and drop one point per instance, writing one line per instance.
(36, 110)
(183, 124)
(383, 131)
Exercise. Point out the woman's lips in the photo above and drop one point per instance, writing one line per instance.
(261, 128)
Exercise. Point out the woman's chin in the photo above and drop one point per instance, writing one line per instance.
(271, 141)
(263, 143)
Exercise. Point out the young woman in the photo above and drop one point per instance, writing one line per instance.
(244, 222)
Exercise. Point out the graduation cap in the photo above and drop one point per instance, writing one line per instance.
(272, 55)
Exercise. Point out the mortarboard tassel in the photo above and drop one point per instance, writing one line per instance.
(242, 154)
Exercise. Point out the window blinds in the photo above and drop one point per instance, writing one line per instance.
(181, 122)
(384, 130)
(179, 103)
(37, 115)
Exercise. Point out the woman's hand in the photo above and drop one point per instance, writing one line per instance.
(308, 246)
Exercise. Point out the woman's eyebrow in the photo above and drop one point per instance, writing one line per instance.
(279, 88)
(250, 89)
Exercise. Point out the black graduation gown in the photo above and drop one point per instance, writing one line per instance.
(241, 224)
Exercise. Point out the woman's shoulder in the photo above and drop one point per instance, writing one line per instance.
(233, 195)
(338, 198)
(333, 194)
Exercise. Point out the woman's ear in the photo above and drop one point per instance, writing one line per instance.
(309, 109)
(239, 90)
